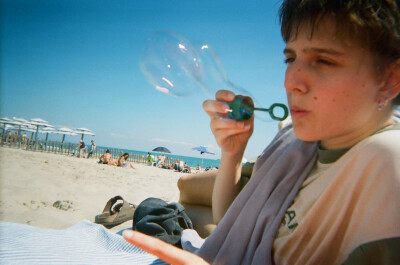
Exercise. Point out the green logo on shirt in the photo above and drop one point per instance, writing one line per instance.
(290, 216)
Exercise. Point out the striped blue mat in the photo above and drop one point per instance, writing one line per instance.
(83, 243)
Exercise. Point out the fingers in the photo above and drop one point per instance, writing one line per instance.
(164, 251)
(215, 108)
(219, 106)
(231, 135)
(230, 127)
(224, 95)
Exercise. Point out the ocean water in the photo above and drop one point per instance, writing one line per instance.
(191, 161)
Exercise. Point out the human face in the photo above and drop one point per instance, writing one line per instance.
(332, 88)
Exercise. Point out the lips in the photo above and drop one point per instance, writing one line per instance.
(297, 109)
(298, 112)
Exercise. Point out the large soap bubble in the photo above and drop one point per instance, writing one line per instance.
(170, 64)
(175, 66)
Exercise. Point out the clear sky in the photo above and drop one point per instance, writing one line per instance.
(76, 64)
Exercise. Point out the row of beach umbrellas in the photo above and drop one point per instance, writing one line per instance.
(201, 149)
(38, 125)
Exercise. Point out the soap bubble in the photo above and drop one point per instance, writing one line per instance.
(170, 64)
(176, 67)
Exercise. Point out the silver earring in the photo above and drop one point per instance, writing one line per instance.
(380, 106)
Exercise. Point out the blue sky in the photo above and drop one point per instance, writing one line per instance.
(76, 64)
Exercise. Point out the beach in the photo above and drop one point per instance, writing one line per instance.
(57, 191)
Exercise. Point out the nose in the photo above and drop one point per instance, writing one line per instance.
(296, 78)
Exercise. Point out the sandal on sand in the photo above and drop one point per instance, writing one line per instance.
(113, 216)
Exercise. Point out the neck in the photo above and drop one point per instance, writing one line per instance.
(351, 138)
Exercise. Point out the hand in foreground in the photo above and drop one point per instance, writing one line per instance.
(164, 251)
(232, 136)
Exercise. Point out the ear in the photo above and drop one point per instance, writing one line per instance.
(391, 87)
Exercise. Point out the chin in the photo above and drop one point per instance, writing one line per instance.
(307, 135)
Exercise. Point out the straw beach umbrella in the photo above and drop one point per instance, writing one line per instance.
(84, 131)
(21, 123)
(65, 131)
(39, 122)
(47, 130)
(27, 128)
(4, 119)
(7, 122)
(21, 120)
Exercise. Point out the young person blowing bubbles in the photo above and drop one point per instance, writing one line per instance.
(338, 166)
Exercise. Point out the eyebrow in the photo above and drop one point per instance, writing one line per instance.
(316, 50)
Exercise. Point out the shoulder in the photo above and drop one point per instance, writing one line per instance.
(385, 145)
(373, 162)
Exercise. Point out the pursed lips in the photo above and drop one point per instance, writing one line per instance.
(297, 111)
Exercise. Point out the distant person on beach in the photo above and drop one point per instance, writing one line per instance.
(105, 158)
(186, 168)
(24, 138)
(177, 166)
(82, 149)
(9, 137)
(159, 161)
(15, 137)
(150, 159)
(92, 148)
(122, 162)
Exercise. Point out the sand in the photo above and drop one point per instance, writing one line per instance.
(57, 191)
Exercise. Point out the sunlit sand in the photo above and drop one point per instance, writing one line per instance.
(57, 191)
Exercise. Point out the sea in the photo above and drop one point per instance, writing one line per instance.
(191, 161)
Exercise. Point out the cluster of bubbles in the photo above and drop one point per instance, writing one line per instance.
(179, 68)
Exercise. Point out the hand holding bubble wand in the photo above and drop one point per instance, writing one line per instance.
(176, 67)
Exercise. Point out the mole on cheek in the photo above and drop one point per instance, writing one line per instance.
(298, 70)
(315, 98)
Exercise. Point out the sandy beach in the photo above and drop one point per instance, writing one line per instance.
(34, 183)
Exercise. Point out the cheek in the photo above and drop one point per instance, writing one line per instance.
(333, 103)
(342, 101)
(341, 97)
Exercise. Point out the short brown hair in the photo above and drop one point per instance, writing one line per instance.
(375, 23)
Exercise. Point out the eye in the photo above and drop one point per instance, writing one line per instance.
(289, 60)
(324, 61)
